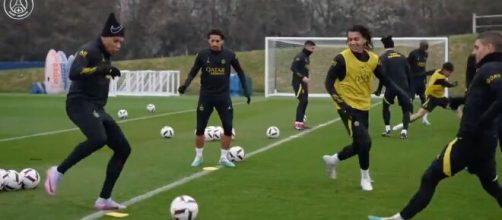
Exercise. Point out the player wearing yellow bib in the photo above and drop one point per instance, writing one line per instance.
(435, 93)
(349, 82)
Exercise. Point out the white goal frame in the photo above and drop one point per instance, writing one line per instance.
(376, 41)
(146, 83)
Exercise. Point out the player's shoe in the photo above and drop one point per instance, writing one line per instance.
(52, 180)
(386, 133)
(398, 127)
(366, 184)
(425, 121)
(371, 217)
(108, 204)
(330, 166)
(299, 125)
(404, 134)
(197, 161)
(395, 217)
(226, 162)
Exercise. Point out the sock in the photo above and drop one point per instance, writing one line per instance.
(335, 158)
(365, 174)
(198, 152)
(224, 153)
(387, 127)
(397, 217)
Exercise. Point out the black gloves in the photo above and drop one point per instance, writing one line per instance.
(248, 99)
(182, 89)
(107, 69)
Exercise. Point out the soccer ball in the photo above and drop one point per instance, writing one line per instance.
(29, 178)
(122, 114)
(184, 208)
(273, 132)
(150, 108)
(236, 154)
(209, 133)
(217, 133)
(167, 132)
(2, 173)
(11, 181)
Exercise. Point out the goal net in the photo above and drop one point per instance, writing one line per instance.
(146, 83)
(280, 52)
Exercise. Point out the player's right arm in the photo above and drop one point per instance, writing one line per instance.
(83, 66)
(193, 72)
(337, 71)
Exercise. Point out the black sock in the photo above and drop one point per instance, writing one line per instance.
(386, 113)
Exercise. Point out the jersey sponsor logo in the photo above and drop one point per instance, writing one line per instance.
(493, 78)
(393, 55)
(83, 53)
(116, 30)
(18, 9)
(215, 70)
(421, 64)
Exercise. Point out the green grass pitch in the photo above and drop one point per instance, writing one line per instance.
(288, 181)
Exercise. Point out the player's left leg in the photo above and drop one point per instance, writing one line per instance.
(226, 112)
(121, 150)
(406, 108)
(388, 100)
(204, 110)
(453, 159)
(362, 139)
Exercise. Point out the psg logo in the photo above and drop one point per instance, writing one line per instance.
(18, 9)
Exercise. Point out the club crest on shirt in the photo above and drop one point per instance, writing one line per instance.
(201, 108)
(208, 61)
(83, 53)
(356, 123)
(95, 114)
(223, 61)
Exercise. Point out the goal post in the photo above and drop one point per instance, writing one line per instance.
(280, 52)
(146, 83)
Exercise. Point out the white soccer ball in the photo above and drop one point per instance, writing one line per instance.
(11, 181)
(236, 154)
(2, 173)
(122, 114)
(217, 133)
(209, 133)
(167, 132)
(184, 208)
(150, 108)
(29, 178)
(273, 132)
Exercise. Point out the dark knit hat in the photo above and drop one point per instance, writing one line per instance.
(112, 27)
(387, 42)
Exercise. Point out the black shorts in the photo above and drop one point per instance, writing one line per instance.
(301, 90)
(477, 154)
(223, 106)
(431, 103)
(418, 86)
(390, 95)
(357, 123)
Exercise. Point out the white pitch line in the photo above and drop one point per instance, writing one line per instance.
(199, 174)
(120, 122)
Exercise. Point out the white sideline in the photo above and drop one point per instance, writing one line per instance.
(120, 122)
(199, 174)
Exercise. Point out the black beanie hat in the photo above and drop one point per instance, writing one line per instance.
(112, 27)
(387, 42)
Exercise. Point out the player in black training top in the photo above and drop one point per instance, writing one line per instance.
(300, 82)
(90, 74)
(215, 63)
(475, 146)
(418, 62)
(396, 68)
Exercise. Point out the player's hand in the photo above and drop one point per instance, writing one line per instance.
(113, 72)
(182, 89)
(103, 68)
(305, 80)
(455, 83)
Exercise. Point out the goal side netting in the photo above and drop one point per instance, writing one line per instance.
(280, 52)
